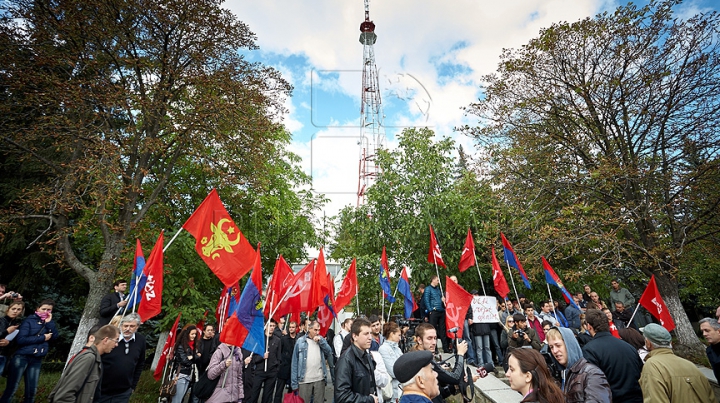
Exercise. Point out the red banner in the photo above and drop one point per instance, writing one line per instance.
(434, 255)
(219, 242)
(297, 295)
(501, 285)
(167, 353)
(652, 301)
(320, 287)
(151, 296)
(348, 289)
(467, 257)
(456, 306)
(281, 279)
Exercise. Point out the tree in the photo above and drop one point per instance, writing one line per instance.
(417, 186)
(112, 101)
(606, 130)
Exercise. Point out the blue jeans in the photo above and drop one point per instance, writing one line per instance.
(496, 345)
(472, 358)
(482, 346)
(3, 360)
(22, 365)
(182, 387)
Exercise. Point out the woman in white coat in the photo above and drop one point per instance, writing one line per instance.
(390, 352)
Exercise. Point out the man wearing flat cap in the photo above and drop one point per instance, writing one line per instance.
(416, 376)
(667, 377)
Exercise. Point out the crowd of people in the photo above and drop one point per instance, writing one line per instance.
(550, 352)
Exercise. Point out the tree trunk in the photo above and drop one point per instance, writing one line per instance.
(158, 350)
(100, 284)
(683, 329)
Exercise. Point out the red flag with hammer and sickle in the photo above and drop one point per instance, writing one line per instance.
(456, 306)
(434, 255)
(467, 257)
(219, 241)
(653, 302)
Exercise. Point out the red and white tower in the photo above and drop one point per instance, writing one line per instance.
(372, 132)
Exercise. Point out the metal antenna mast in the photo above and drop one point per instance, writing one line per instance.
(372, 132)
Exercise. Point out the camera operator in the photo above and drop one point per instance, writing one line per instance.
(523, 335)
(448, 379)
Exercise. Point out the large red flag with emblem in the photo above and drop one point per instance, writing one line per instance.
(456, 306)
(281, 279)
(499, 282)
(297, 296)
(348, 289)
(320, 287)
(652, 301)
(434, 255)
(467, 258)
(151, 295)
(219, 242)
(167, 353)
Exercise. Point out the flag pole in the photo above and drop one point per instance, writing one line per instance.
(357, 300)
(382, 299)
(172, 239)
(552, 303)
(512, 280)
(391, 304)
(478, 270)
(634, 312)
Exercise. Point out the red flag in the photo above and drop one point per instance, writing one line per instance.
(384, 263)
(434, 255)
(326, 313)
(653, 302)
(320, 287)
(467, 257)
(229, 298)
(151, 296)
(297, 296)
(201, 323)
(499, 282)
(219, 242)
(456, 306)
(167, 353)
(281, 279)
(348, 289)
(614, 330)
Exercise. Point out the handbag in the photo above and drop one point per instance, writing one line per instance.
(292, 397)
(387, 391)
(205, 386)
(168, 388)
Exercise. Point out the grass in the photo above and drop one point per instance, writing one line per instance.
(147, 389)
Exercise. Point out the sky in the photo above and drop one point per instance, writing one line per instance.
(431, 57)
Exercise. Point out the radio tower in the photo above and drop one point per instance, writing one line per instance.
(372, 132)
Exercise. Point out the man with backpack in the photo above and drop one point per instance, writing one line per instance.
(79, 382)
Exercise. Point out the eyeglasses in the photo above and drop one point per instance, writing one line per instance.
(510, 321)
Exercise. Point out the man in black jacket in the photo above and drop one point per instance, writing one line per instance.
(287, 345)
(266, 367)
(616, 358)
(124, 364)
(112, 302)
(355, 370)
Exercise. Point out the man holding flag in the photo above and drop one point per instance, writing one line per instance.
(112, 303)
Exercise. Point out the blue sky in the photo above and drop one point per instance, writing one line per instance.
(431, 56)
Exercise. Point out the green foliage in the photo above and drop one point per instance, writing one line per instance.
(418, 186)
(602, 136)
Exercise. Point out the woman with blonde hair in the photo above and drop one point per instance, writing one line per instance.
(506, 332)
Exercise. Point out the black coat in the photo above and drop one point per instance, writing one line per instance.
(621, 364)
(355, 377)
(287, 344)
(447, 379)
(273, 361)
(183, 359)
(122, 371)
(108, 308)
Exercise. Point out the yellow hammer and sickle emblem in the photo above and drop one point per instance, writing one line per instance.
(219, 239)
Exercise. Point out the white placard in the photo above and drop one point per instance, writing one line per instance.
(484, 310)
